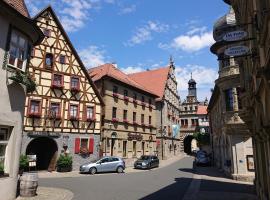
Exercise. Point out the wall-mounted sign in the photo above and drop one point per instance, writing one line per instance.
(40, 133)
(234, 36)
(236, 51)
(135, 136)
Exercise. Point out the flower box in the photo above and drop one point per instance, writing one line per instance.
(143, 104)
(75, 89)
(135, 101)
(143, 124)
(125, 121)
(150, 125)
(74, 118)
(126, 98)
(115, 95)
(34, 115)
(135, 123)
(56, 86)
(115, 120)
(91, 119)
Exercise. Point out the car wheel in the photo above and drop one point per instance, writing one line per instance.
(120, 169)
(93, 170)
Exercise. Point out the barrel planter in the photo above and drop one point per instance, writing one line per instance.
(28, 184)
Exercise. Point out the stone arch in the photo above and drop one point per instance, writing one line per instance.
(46, 150)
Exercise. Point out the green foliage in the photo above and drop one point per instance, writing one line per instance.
(64, 161)
(203, 139)
(1, 167)
(24, 79)
(23, 162)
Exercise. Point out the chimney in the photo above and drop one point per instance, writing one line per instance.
(114, 64)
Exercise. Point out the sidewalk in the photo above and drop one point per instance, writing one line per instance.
(210, 184)
(45, 193)
(54, 174)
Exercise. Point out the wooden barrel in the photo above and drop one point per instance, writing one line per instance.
(28, 184)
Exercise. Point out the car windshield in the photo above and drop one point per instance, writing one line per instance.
(144, 158)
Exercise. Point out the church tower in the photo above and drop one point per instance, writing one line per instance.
(192, 90)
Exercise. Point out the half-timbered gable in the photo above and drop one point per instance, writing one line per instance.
(65, 101)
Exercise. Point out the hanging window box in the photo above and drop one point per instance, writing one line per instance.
(115, 95)
(91, 119)
(126, 121)
(73, 118)
(135, 101)
(143, 124)
(143, 104)
(115, 120)
(135, 123)
(126, 98)
(150, 125)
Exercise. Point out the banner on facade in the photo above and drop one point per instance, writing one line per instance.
(175, 129)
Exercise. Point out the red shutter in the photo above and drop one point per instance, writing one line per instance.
(91, 145)
(77, 145)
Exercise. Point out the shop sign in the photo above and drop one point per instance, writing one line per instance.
(236, 51)
(39, 133)
(135, 136)
(234, 36)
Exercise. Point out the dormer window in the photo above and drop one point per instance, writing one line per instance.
(18, 50)
(57, 81)
(49, 61)
(46, 32)
(62, 59)
(75, 84)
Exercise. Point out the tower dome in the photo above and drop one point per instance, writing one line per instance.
(225, 22)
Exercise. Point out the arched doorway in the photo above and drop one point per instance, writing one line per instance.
(114, 137)
(46, 151)
(187, 144)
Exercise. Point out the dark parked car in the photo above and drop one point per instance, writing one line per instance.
(146, 162)
(202, 159)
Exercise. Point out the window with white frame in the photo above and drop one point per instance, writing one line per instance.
(4, 138)
(18, 49)
(74, 111)
(90, 112)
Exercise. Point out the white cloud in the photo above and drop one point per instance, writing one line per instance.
(127, 10)
(204, 76)
(92, 56)
(73, 14)
(194, 40)
(132, 69)
(145, 33)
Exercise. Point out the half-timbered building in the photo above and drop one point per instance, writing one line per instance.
(63, 114)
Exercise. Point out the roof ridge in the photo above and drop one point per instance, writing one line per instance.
(145, 71)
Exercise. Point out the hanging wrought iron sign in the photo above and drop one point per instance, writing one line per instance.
(235, 36)
(236, 50)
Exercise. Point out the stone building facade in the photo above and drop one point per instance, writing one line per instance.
(129, 115)
(18, 33)
(63, 113)
(162, 81)
(231, 138)
(253, 17)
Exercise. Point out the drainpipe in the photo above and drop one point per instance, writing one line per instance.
(161, 120)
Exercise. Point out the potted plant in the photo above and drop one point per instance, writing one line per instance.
(64, 163)
(2, 169)
(23, 164)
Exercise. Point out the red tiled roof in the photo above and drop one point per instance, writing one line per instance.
(153, 80)
(202, 110)
(19, 5)
(110, 70)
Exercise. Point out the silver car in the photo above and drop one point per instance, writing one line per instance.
(105, 164)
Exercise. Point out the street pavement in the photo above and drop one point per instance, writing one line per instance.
(145, 185)
(178, 179)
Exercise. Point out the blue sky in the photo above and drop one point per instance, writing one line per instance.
(142, 34)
